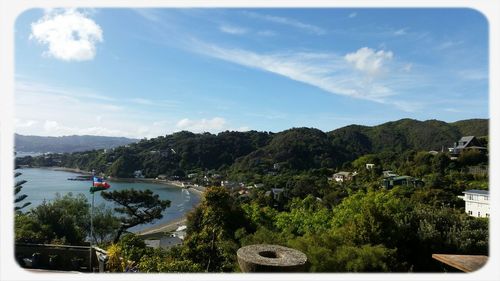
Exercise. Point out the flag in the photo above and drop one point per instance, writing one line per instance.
(98, 184)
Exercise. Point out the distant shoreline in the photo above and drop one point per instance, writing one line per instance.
(154, 229)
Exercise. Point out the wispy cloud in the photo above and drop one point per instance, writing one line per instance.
(330, 72)
(235, 30)
(142, 101)
(154, 102)
(400, 32)
(69, 34)
(266, 33)
(310, 28)
(353, 15)
(473, 74)
(25, 86)
(448, 44)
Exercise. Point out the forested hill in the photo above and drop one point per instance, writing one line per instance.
(405, 134)
(67, 143)
(255, 152)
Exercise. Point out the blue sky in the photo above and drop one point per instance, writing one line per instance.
(149, 72)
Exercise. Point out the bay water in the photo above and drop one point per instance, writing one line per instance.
(43, 184)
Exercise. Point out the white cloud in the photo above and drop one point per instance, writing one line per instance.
(69, 34)
(288, 21)
(330, 72)
(353, 15)
(25, 123)
(368, 60)
(202, 125)
(233, 29)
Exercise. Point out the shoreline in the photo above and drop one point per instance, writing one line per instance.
(169, 226)
(165, 227)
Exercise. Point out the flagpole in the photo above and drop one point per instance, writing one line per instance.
(91, 223)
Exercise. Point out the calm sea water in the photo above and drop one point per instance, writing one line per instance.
(44, 184)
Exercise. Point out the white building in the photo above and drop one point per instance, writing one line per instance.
(342, 176)
(477, 203)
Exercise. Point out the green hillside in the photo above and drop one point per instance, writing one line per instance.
(296, 149)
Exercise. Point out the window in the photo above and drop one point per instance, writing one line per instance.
(470, 213)
(487, 215)
(479, 214)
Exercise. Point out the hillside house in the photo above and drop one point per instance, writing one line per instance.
(230, 185)
(464, 144)
(342, 176)
(277, 193)
(369, 166)
(390, 182)
(477, 203)
(161, 177)
(389, 174)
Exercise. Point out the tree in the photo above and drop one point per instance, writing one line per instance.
(18, 198)
(105, 224)
(137, 207)
(210, 240)
(64, 220)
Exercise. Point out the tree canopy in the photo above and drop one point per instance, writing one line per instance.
(136, 207)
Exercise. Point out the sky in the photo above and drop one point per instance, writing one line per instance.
(150, 72)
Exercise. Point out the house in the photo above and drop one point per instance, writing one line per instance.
(258, 185)
(230, 185)
(389, 174)
(390, 182)
(369, 166)
(477, 203)
(464, 144)
(342, 176)
(276, 166)
(161, 177)
(277, 193)
(164, 242)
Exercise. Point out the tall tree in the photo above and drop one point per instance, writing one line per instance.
(17, 189)
(136, 206)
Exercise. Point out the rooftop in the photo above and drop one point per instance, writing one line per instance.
(477, 191)
(465, 263)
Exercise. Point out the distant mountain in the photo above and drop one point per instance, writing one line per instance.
(67, 143)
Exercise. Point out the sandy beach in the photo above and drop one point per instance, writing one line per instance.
(167, 227)
(73, 170)
(171, 225)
